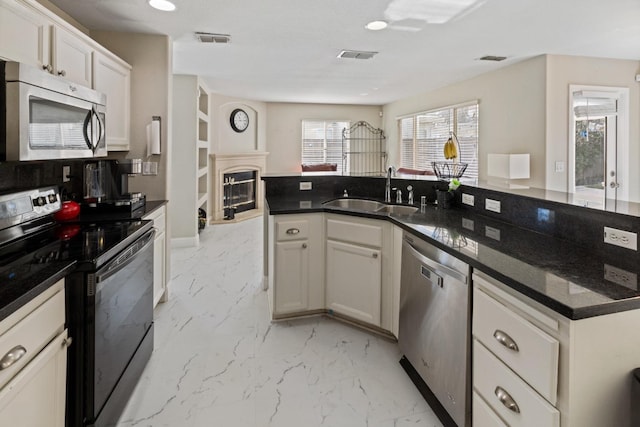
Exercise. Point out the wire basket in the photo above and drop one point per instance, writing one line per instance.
(447, 170)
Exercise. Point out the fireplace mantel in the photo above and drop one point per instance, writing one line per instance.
(222, 163)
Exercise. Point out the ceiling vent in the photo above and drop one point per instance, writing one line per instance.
(356, 54)
(492, 58)
(213, 38)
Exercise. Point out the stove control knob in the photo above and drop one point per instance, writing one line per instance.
(39, 201)
(53, 198)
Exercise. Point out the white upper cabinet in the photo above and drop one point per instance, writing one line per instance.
(33, 35)
(113, 78)
(24, 34)
(71, 57)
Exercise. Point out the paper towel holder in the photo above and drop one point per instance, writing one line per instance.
(153, 136)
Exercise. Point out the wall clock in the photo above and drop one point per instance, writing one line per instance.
(239, 120)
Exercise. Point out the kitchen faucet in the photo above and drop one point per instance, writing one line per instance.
(387, 186)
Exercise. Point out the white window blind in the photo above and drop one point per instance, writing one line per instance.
(322, 141)
(423, 135)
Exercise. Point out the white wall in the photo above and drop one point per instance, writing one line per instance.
(151, 86)
(511, 119)
(224, 140)
(563, 71)
(284, 129)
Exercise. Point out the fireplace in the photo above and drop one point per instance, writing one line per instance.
(239, 193)
(236, 187)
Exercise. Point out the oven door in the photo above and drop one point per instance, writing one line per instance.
(42, 124)
(122, 310)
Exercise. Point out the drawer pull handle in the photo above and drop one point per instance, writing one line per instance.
(506, 399)
(504, 339)
(12, 356)
(293, 231)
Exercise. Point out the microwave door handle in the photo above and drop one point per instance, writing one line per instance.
(101, 127)
(85, 129)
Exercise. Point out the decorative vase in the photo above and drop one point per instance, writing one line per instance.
(444, 198)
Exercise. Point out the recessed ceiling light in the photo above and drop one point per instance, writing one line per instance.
(376, 25)
(164, 5)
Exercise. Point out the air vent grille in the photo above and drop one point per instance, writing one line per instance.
(492, 58)
(356, 54)
(213, 38)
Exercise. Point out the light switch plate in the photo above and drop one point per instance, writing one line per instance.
(468, 199)
(305, 185)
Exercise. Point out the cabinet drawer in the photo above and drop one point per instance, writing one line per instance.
(483, 415)
(534, 356)
(292, 230)
(32, 333)
(363, 234)
(492, 378)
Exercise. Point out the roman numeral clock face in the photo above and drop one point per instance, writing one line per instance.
(239, 120)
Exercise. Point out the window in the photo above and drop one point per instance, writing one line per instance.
(322, 141)
(423, 135)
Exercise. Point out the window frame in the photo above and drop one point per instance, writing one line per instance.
(326, 158)
(454, 125)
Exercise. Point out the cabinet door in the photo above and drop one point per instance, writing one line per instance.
(354, 280)
(158, 267)
(292, 276)
(36, 395)
(114, 80)
(71, 57)
(24, 34)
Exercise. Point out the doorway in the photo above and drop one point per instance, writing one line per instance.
(599, 145)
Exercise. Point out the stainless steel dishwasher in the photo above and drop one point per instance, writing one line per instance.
(434, 332)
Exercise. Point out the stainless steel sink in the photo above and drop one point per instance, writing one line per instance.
(398, 209)
(357, 204)
(371, 206)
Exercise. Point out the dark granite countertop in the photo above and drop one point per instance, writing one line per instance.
(569, 279)
(16, 293)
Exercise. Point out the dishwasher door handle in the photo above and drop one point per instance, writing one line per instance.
(434, 266)
(430, 275)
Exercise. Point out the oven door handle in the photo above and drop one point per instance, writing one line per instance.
(124, 259)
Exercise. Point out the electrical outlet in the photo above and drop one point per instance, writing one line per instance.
(625, 239)
(305, 185)
(468, 199)
(621, 277)
(66, 171)
(492, 205)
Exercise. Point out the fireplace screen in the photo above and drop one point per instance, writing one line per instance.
(239, 193)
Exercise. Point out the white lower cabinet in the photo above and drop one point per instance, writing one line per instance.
(296, 264)
(554, 370)
(354, 281)
(359, 269)
(33, 386)
(160, 291)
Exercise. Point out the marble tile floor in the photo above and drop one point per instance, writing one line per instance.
(219, 361)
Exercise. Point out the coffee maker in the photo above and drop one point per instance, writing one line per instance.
(106, 185)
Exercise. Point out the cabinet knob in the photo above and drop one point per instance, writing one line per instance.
(47, 67)
(375, 255)
(506, 399)
(293, 231)
(12, 356)
(304, 246)
(67, 342)
(504, 339)
(62, 73)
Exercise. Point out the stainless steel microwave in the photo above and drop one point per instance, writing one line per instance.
(47, 117)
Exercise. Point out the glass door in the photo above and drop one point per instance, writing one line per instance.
(596, 149)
